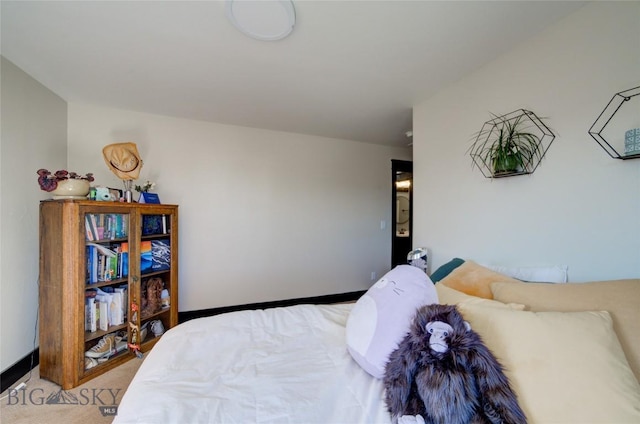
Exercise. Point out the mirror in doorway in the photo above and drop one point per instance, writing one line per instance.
(402, 203)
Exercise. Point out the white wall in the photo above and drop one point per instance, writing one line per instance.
(264, 215)
(34, 136)
(580, 207)
(267, 215)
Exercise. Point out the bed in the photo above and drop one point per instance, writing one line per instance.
(280, 365)
(571, 351)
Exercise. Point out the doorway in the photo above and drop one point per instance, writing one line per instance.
(401, 211)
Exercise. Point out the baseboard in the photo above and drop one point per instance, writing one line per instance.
(316, 300)
(19, 369)
(23, 366)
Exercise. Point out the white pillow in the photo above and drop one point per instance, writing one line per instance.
(382, 316)
(566, 367)
(536, 274)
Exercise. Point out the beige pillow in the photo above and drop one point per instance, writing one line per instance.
(620, 297)
(566, 367)
(449, 296)
(474, 279)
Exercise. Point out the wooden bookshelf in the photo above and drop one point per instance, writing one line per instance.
(71, 271)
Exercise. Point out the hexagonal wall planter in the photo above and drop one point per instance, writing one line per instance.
(511, 144)
(608, 131)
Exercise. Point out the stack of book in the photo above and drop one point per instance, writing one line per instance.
(105, 308)
(106, 226)
(107, 263)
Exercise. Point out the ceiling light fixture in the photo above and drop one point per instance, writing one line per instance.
(265, 20)
(403, 184)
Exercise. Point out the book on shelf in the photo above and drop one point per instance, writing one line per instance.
(106, 262)
(111, 268)
(103, 315)
(87, 228)
(92, 264)
(155, 255)
(160, 254)
(99, 226)
(89, 263)
(146, 258)
(105, 308)
(123, 252)
(146, 197)
(154, 224)
(91, 319)
(90, 227)
(124, 301)
(115, 307)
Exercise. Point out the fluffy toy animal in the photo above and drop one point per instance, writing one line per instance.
(442, 373)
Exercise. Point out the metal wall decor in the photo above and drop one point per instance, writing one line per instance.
(511, 144)
(627, 99)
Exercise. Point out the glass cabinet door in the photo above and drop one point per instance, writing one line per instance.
(155, 276)
(106, 287)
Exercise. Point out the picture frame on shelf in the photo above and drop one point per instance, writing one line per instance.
(116, 194)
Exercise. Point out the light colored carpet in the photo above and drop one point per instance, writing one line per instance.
(84, 404)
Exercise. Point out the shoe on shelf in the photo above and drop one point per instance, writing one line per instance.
(143, 331)
(157, 328)
(122, 335)
(105, 347)
(121, 346)
(89, 363)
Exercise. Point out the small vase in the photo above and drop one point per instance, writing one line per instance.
(128, 196)
(71, 189)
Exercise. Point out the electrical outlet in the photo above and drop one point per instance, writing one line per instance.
(373, 276)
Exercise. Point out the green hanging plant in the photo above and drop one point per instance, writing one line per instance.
(505, 145)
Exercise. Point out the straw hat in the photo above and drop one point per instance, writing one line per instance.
(123, 160)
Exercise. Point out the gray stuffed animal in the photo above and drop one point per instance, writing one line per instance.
(442, 373)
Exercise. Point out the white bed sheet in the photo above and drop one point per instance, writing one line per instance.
(280, 365)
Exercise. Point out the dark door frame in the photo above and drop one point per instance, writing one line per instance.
(400, 166)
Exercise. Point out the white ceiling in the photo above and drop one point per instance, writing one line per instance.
(349, 69)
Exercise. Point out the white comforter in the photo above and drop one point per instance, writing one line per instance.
(282, 365)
